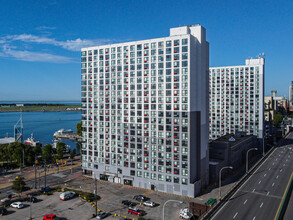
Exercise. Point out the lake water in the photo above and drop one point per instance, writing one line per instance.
(41, 124)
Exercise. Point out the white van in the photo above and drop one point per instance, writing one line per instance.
(67, 195)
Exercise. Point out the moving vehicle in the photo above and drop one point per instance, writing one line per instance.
(18, 205)
(102, 215)
(3, 211)
(67, 195)
(149, 203)
(135, 211)
(128, 203)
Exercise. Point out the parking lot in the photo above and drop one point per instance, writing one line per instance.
(112, 195)
(75, 209)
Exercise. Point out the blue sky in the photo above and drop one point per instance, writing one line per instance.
(40, 41)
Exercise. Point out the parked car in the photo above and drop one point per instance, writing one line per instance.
(52, 216)
(18, 205)
(149, 203)
(31, 199)
(184, 213)
(67, 195)
(49, 217)
(140, 198)
(46, 189)
(128, 203)
(3, 211)
(102, 215)
(135, 211)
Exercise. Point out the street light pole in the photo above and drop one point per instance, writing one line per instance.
(247, 158)
(96, 198)
(228, 167)
(166, 203)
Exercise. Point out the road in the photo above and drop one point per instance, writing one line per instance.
(52, 179)
(259, 197)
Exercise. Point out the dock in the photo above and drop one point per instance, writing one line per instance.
(71, 136)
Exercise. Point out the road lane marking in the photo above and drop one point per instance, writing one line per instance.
(273, 163)
(277, 177)
(235, 215)
(259, 182)
(268, 193)
(253, 218)
(261, 205)
(281, 170)
(273, 184)
(261, 164)
(269, 168)
(253, 190)
(245, 202)
(265, 174)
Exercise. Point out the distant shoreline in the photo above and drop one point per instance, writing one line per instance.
(41, 108)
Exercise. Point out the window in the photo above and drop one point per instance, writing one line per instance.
(184, 41)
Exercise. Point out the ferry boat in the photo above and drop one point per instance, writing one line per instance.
(31, 141)
(63, 132)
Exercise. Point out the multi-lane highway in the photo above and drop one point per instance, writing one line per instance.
(259, 197)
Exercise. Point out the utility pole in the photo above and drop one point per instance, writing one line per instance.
(36, 162)
(45, 175)
(23, 156)
(96, 199)
(39, 178)
(30, 207)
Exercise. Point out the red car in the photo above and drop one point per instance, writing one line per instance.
(49, 217)
(135, 211)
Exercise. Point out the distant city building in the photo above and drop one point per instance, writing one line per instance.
(144, 112)
(229, 150)
(237, 99)
(291, 93)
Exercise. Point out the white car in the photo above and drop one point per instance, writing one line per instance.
(149, 203)
(67, 195)
(18, 205)
(184, 213)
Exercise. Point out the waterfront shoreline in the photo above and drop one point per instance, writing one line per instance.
(62, 108)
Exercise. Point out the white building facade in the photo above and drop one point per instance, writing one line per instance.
(144, 112)
(236, 96)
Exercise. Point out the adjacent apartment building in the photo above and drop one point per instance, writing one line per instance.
(291, 94)
(145, 112)
(236, 96)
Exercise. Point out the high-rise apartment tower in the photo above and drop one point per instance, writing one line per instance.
(144, 111)
(237, 99)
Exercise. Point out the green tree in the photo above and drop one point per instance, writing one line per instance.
(278, 118)
(37, 150)
(78, 128)
(61, 150)
(18, 184)
(72, 154)
(47, 152)
(16, 149)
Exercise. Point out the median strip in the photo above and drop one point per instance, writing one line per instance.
(282, 208)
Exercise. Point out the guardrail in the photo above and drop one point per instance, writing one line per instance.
(209, 214)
